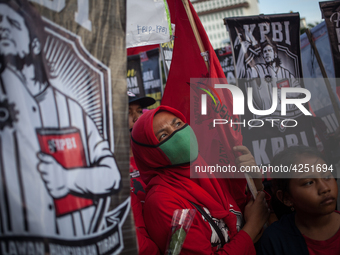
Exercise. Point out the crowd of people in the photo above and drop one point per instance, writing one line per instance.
(300, 217)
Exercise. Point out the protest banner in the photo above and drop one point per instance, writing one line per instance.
(225, 57)
(266, 51)
(151, 76)
(331, 14)
(63, 129)
(166, 52)
(141, 30)
(134, 76)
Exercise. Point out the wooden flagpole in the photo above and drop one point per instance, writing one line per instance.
(195, 30)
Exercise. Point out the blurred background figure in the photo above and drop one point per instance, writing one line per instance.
(137, 186)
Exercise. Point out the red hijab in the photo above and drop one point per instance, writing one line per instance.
(155, 169)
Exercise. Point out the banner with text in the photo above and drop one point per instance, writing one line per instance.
(266, 51)
(60, 73)
(166, 52)
(151, 76)
(134, 76)
(141, 29)
(225, 57)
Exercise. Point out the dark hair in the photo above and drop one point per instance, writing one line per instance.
(270, 43)
(31, 16)
(35, 27)
(274, 46)
(280, 181)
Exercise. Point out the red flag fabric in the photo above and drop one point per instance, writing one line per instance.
(137, 50)
(215, 143)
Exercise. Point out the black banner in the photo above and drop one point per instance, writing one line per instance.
(266, 50)
(166, 52)
(267, 140)
(266, 40)
(151, 76)
(331, 14)
(134, 76)
(225, 57)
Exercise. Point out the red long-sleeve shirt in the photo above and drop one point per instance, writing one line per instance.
(160, 204)
(145, 245)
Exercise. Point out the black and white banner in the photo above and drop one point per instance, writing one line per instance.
(225, 57)
(151, 76)
(266, 52)
(134, 76)
(61, 188)
(320, 102)
(166, 53)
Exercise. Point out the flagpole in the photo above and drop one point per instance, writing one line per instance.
(324, 74)
(195, 30)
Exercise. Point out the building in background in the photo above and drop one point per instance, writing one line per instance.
(212, 13)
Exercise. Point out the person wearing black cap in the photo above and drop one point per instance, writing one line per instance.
(137, 186)
(136, 105)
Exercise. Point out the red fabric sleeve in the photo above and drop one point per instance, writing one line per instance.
(158, 211)
(137, 50)
(145, 245)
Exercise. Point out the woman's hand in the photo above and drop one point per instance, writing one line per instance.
(256, 214)
(247, 159)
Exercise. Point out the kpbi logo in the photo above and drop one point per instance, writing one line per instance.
(281, 99)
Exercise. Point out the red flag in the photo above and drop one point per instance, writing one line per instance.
(215, 143)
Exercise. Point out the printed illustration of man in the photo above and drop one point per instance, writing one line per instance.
(33, 183)
(264, 76)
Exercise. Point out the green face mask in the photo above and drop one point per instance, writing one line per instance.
(181, 147)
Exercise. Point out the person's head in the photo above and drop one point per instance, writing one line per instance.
(269, 52)
(165, 124)
(311, 189)
(162, 139)
(136, 105)
(21, 37)
(14, 39)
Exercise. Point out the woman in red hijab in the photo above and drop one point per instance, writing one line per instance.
(161, 146)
